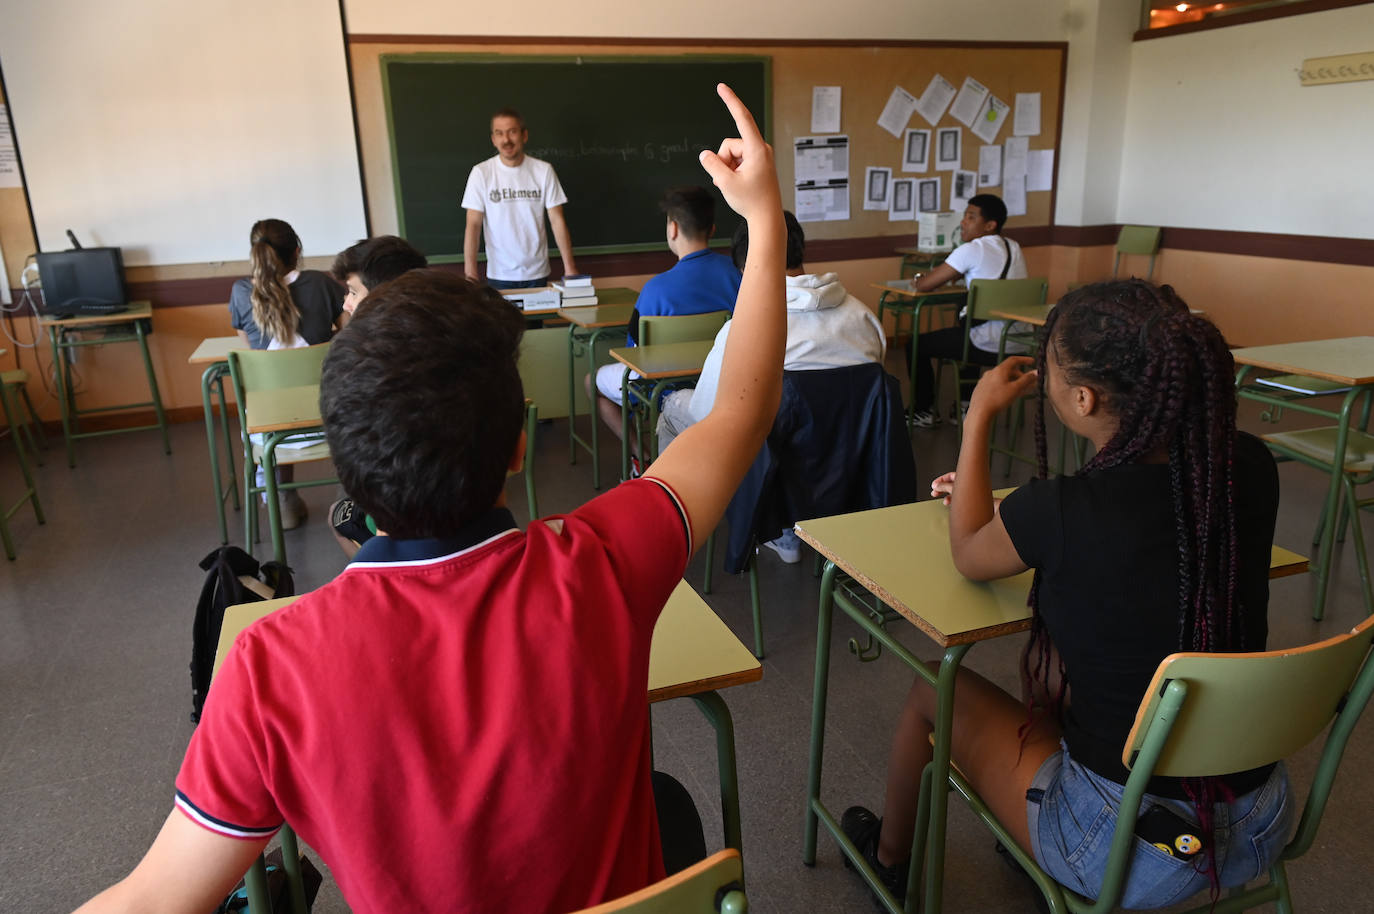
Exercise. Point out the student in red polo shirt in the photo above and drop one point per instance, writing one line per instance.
(457, 722)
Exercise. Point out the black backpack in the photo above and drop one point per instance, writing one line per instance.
(225, 586)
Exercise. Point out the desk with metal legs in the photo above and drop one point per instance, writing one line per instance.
(661, 364)
(279, 414)
(30, 490)
(693, 654)
(60, 336)
(902, 300)
(587, 327)
(213, 353)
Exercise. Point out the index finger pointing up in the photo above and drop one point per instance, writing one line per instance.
(744, 121)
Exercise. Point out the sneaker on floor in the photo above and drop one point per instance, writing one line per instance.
(924, 418)
(293, 510)
(787, 546)
(862, 827)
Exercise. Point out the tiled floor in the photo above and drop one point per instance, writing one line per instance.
(95, 633)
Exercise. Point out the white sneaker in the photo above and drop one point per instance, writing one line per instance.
(924, 418)
(293, 510)
(787, 546)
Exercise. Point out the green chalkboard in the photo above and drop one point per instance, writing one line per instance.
(618, 130)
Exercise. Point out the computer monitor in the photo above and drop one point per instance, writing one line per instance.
(82, 278)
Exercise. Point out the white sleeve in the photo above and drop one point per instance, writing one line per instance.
(704, 397)
(963, 258)
(553, 191)
(474, 195)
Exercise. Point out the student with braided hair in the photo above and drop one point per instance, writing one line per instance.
(282, 307)
(1160, 543)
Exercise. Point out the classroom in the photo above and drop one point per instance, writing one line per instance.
(172, 139)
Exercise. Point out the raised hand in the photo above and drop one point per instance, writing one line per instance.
(743, 167)
(1003, 385)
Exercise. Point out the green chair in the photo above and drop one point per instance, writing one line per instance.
(644, 396)
(1212, 714)
(16, 389)
(713, 885)
(1140, 240)
(531, 429)
(11, 409)
(260, 371)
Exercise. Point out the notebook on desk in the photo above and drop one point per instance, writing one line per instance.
(1299, 384)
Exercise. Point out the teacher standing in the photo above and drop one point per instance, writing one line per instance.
(508, 196)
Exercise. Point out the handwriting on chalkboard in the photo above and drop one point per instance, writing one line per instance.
(661, 151)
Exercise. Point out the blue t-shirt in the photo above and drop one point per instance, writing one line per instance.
(697, 284)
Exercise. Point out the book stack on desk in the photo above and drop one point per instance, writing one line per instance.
(577, 290)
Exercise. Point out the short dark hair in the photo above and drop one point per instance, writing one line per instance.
(692, 207)
(992, 208)
(377, 260)
(422, 403)
(796, 243)
(510, 112)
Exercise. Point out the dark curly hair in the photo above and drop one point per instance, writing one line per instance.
(1166, 375)
(422, 402)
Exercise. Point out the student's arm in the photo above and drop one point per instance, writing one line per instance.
(562, 238)
(470, 236)
(978, 540)
(705, 464)
(188, 869)
(942, 275)
(243, 338)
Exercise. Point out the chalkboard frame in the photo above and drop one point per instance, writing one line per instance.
(763, 117)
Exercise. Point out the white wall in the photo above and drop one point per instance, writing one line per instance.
(984, 20)
(168, 127)
(1220, 135)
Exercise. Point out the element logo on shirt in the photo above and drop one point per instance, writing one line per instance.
(499, 194)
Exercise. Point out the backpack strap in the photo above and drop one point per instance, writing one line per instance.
(1006, 266)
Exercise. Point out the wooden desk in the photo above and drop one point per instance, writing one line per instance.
(692, 655)
(662, 364)
(30, 495)
(587, 327)
(915, 259)
(1349, 364)
(138, 317)
(213, 353)
(277, 415)
(901, 555)
(1035, 316)
(902, 300)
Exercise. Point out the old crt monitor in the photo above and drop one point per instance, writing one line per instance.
(83, 281)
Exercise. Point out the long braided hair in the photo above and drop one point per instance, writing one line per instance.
(273, 255)
(1167, 377)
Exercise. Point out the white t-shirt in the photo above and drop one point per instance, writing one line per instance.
(984, 258)
(513, 202)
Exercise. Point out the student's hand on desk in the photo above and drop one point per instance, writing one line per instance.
(743, 168)
(1001, 386)
(942, 486)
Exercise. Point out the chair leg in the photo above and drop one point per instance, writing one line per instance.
(33, 415)
(710, 562)
(1352, 511)
(754, 601)
(531, 428)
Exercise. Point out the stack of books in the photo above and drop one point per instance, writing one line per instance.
(577, 290)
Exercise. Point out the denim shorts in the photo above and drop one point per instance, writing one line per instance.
(1071, 831)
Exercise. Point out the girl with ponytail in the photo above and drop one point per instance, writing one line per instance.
(281, 307)
(1159, 543)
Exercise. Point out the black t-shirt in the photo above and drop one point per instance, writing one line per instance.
(318, 298)
(1107, 547)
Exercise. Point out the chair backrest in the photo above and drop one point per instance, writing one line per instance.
(680, 328)
(269, 369)
(1137, 239)
(985, 295)
(709, 886)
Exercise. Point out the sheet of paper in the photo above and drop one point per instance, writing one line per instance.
(877, 187)
(1014, 157)
(990, 118)
(825, 109)
(935, 99)
(928, 195)
(1026, 120)
(903, 204)
(9, 159)
(968, 101)
(949, 151)
(824, 202)
(820, 158)
(1014, 194)
(1039, 169)
(963, 185)
(989, 166)
(916, 151)
(897, 112)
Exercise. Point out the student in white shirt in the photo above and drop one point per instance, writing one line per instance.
(985, 254)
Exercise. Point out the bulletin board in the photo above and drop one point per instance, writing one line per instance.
(866, 73)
